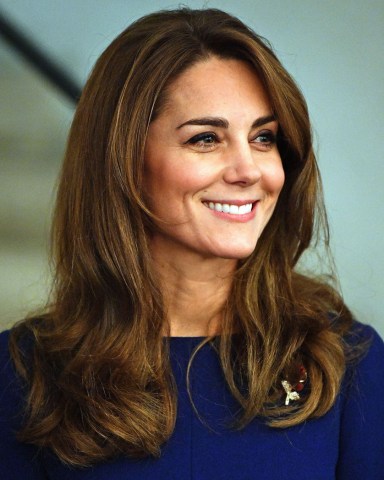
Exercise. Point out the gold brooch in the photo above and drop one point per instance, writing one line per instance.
(292, 392)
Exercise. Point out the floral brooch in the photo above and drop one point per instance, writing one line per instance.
(292, 391)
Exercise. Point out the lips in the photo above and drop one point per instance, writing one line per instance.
(230, 208)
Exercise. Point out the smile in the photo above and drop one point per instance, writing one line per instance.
(229, 208)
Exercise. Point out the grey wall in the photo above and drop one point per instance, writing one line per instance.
(333, 49)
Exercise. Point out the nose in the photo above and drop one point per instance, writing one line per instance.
(242, 167)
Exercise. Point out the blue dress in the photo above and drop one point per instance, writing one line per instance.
(345, 444)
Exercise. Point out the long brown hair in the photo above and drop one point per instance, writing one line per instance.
(99, 378)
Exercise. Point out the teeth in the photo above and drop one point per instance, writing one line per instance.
(245, 208)
(232, 209)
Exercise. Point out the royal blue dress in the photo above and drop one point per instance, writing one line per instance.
(345, 444)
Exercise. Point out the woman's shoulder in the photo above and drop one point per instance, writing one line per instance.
(4, 336)
(18, 460)
(362, 421)
(5, 359)
(16, 347)
(22, 341)
(365, 347)
(365, 363)
(9, 380)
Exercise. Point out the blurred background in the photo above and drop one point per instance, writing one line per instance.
(333, 49)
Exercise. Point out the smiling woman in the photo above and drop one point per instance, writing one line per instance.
(210, 148)
(213, 174)
(181, 341)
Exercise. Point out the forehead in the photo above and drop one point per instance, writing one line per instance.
(213, 84)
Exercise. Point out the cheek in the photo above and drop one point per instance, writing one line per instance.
(280, 179)
(178, 179)
(275, 178)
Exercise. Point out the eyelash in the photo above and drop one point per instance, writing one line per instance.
(200, 140)
(269, 139)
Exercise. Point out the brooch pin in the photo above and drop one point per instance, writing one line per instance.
(292, 392)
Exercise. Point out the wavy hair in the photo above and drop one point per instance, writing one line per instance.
(100, 382)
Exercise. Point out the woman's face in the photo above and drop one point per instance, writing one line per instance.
(213, 172)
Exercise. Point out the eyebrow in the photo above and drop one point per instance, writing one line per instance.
(222, 123)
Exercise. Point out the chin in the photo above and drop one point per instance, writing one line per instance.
(236, 253)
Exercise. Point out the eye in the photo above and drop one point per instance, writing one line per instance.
(265, 140)
(204, 140)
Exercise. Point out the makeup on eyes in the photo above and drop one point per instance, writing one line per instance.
(265, 140)
(210, 137)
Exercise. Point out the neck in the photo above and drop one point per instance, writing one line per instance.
(195, 292)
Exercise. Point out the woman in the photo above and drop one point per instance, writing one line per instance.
(180, 341)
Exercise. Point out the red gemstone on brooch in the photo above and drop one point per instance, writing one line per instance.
(299, 387)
